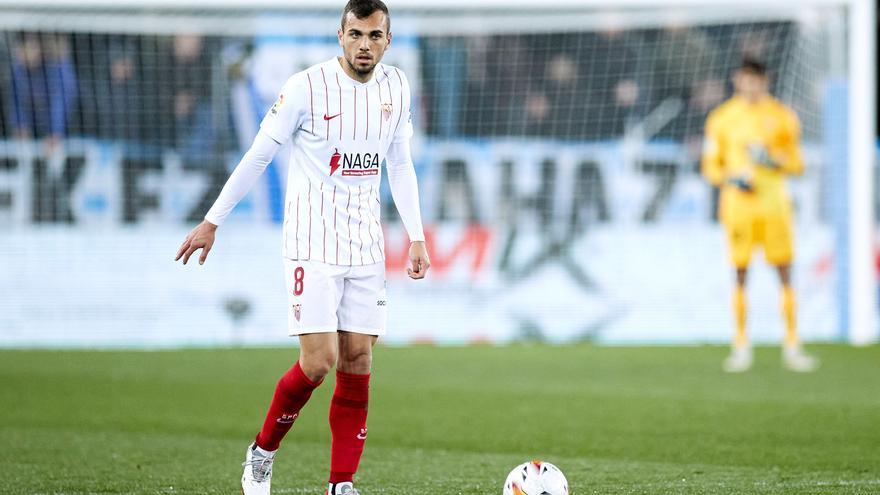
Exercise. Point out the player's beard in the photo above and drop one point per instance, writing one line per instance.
(362, 71)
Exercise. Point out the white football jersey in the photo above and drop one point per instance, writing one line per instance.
(341, 130)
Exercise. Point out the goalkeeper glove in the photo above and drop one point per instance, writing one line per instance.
(760, 156)
(741, 183)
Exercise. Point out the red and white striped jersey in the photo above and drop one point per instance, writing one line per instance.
(341, 131)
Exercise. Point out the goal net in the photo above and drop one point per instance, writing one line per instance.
(557, 151)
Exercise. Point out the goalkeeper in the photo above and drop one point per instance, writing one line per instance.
(751, 146)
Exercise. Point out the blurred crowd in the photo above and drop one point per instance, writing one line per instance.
(154, 92)
(172, 92)
(650, 83)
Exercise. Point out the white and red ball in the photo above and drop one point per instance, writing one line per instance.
(536, 478)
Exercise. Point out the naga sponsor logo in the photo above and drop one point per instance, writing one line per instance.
(355, 164)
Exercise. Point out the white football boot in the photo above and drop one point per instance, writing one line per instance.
(345, 488)
(795, 359)
(257, 477)
(740, 360)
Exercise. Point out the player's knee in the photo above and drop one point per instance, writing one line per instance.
(356, 361)
(316, 367)
(784, 271)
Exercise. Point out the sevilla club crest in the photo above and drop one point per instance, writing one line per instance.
(386, 110)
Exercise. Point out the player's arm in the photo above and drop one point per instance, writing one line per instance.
(785, 156)
(275, 130)
(240, 182)
(712, 163)
(405, 191)
(789, 156)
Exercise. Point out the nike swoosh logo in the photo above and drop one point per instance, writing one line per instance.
(332, 116)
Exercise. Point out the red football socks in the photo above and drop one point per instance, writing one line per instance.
(291, 394)
(348, 424)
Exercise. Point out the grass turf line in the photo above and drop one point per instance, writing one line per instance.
(448, 421)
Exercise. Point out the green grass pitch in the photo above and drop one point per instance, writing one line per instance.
(448, 421)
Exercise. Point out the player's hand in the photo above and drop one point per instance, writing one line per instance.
(760, 156)
(418, 258)
(201, 237)
(742, 183)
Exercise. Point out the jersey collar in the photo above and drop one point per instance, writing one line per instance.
(337, 62)
(744, 102)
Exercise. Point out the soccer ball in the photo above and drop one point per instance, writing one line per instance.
(536, 478)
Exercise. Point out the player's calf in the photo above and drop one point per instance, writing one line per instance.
(294, 389)
(348, 425)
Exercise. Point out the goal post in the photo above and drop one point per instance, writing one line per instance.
(861, 312)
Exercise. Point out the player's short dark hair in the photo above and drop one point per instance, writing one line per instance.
(365, 8)
(754, 66)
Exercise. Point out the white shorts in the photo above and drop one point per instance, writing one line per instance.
(327, 298)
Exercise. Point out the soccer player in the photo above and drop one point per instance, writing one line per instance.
(344, 117)
(752, 144)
